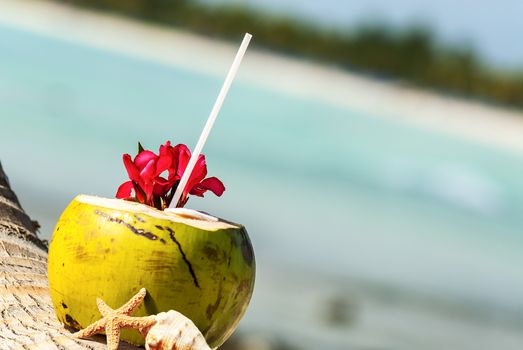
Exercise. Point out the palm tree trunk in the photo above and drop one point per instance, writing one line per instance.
(27, 318)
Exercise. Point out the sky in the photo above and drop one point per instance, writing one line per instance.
(492, 28)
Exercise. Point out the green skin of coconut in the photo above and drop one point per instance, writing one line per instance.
(109, 248)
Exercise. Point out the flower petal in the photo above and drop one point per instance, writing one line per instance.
(132, 170)
(143, 158)
(147, 176)
(162, 186)
(214, 185)
(200, 170)
(210, 183)
(165, 159)
(181, 155)
(124, 191)
(148, 172)
(198, 174)
(140, 195)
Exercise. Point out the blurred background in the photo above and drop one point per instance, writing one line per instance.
(373, 149)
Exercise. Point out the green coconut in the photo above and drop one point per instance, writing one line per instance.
(188, 261)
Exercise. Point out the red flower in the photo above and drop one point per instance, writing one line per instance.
(154, 178)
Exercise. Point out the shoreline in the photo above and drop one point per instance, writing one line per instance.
(477, 122)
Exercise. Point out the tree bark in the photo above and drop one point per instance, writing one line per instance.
(26, 313)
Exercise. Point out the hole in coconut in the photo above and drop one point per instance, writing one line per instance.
(191, 214)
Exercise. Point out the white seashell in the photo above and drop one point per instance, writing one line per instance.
(174, 331)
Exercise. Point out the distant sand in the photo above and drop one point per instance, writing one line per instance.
(495, 126)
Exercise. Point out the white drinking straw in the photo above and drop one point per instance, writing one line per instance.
(212, 118)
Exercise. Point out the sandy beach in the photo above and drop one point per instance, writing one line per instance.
(475, 121)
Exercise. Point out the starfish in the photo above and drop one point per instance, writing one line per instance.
(114, 320)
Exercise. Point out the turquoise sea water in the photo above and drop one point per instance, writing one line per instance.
(322, 190)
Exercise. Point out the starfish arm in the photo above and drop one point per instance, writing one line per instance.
(112, 330)
(129, 307)
(103, 307)
(142, 324)
(94, 328)
(146, 324)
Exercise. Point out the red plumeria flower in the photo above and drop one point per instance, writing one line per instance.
(154, 178)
